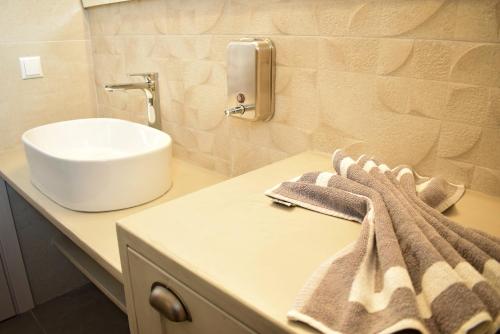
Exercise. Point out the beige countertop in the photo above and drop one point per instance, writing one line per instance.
(231, 244)
(95, 233)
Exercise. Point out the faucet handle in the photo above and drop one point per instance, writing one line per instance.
(149, 77)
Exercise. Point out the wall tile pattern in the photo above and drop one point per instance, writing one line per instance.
(411, 82)
(56, 30)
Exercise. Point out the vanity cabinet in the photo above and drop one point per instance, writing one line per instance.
(6, 304)
(15, 291)
(201, 317)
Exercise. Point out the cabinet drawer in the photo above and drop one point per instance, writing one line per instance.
(205, 317)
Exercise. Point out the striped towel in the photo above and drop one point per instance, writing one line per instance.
(411, 268)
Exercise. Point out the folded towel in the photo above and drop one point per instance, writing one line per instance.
(412, 268)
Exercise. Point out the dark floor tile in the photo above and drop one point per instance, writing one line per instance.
(22, 323)
(82, 311)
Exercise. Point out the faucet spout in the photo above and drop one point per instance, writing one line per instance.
(150, 88)
(127, 86)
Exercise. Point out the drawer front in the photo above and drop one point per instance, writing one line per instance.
(206, 318)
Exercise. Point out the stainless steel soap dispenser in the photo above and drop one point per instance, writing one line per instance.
(250, 79)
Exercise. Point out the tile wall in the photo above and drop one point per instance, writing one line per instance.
(411, 82)
(56, 30)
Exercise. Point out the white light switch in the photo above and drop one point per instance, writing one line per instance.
(31, 67)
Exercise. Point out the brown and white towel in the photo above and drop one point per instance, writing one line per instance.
(411, 268)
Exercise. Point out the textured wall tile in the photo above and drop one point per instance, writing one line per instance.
(455, 171)
(172, 111)
(189, 47)
(428, 98)
(104, 20)
(393, 93)
(246, 157)
(111, 69)
(348, 54)
(398, 138)
(105, 45)
(427, 165)
(222, 141)
(208, 102)
(486, 180)
(479, 65)
(260, 134)
(191, 16)
(301, 113)
(429, 60)
(196, 73)
(327, 139)
(182, 136)
(296, 51)
(489, 152)
(116, 101)
(333, 17)
(104, 111)
(346, 100)
(143, 17)
(457, 139)
(493, 119)
(296, 98)
(295, 17)
(170, 70)
(136, 46)
(202, 159)
(392, 17)
(222, 166)
(477, 20)
(467, 104)
(440, 25)
(393, 53)
(295, 81)
(180, 152)
(218, 45)
(256, 134)
(171, 100)
(141, 64)
(246, 17)
(289, 139)
(205, 141)
(351, 109)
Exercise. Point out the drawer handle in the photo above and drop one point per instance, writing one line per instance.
(168, 304)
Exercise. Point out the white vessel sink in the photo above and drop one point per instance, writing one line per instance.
(99, 164)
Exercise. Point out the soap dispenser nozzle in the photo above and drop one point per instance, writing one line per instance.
(240, 109)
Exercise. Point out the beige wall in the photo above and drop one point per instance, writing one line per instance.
(415, 82)
(57, 31)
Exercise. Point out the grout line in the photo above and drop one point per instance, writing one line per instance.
(6, 43)
(38, 322)
(292, 36)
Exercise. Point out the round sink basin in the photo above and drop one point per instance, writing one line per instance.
(99, 164)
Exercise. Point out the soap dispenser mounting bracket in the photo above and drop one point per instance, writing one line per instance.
(250, 79)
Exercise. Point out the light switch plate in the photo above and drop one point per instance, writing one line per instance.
(31, 67)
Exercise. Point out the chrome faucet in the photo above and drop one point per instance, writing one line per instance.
(150, 88)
